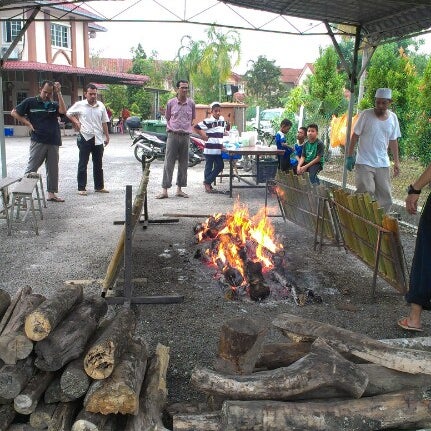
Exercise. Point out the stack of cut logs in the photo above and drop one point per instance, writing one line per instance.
(325, 378)
(65, 366)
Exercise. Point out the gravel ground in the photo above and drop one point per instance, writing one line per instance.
(77, 239)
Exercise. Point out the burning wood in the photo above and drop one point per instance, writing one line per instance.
(242, 248)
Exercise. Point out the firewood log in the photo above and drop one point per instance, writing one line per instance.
(276, 355)
(53, 393)
(105, 352)
(7, 415)
(239, 346)
(409, 408)
(63, 417)
(74, 381)
(153, 395)
(6, 316)
(21, 427)
(5, 301)
(119, 393)
(41, 417)
(86, 421)
(405, 360)
(200, 422)
(40, 323)
(26, 402)
(14, 344)
(14, 378)
(323, 366)
(70, 338)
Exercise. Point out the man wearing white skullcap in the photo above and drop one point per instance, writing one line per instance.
(377, 130)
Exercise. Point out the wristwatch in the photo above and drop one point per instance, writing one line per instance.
(413, 191)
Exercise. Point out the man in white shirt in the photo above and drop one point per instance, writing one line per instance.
(377, 130)
(90, 119)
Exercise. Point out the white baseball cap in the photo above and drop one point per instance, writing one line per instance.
(383, 93)
(214, 104)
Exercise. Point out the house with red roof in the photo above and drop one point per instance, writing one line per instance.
(295, 77)
(50, 40)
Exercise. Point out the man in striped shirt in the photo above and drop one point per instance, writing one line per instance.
(212, 130)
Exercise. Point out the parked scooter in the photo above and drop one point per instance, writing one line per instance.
(152, 146)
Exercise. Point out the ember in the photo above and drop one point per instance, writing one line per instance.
(243, 248)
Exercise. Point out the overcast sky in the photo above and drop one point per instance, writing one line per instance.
(165, 38)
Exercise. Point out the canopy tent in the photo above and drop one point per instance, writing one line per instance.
(370, 22)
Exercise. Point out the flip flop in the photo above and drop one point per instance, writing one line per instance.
(182, 195)
(55, 199)
(404, 323)
(162, 196)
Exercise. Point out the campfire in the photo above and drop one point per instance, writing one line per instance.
(245, 252)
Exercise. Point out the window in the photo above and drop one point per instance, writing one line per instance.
(11, 29)
(60, 35)
(20, 96)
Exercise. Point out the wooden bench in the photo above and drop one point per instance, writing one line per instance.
(4, 184)
(23, 199)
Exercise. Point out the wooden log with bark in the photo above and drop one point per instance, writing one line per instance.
(119, 393)
(20, 427)
(239, 345)
(63, 417)
(5, 301)
(26, 402)
(53, 393)
(14, 344)
(40, 323)
(200, 422)
(86, 421)
(6, 316)
(405, 360)
(14, 378)
(277, 355)
(106, 351)
(410, 408)
(70, 338)
(153, 394)
(42, 416)
(322, 367)
(7, 415)
(74, 381)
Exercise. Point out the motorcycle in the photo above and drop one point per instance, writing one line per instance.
(152, 146)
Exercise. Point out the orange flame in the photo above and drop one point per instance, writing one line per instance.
(242, 234)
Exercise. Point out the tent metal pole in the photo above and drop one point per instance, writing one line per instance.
(353, 80)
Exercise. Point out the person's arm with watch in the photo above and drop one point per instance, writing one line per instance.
(414, 190)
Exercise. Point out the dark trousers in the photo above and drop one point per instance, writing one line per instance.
(420, 273)
(313, 171)
(85, 149)
(213, 166)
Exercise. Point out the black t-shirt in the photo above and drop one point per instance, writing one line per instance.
(44, 118)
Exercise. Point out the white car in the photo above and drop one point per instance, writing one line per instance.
(267, 118)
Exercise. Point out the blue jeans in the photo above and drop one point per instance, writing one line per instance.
(213, 166)
(85, 149)
(313, 171)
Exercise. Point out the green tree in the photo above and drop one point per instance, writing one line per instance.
(391, 67)
(419, 128)
(115, 96)
(263, 83)
(324, 92)
(208, 64)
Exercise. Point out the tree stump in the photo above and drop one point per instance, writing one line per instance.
(239, 346)
(40, 323)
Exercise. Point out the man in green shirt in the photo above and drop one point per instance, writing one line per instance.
(312, 159)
